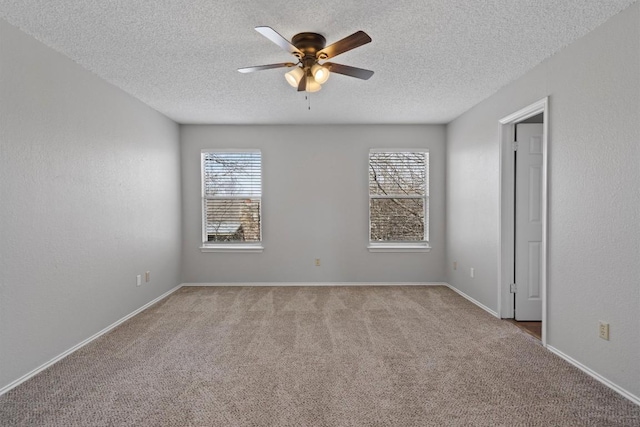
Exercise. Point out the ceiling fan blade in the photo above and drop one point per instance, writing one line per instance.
(359, 73)
(272, 35)
(265, 67)
(302, 86)
(353, 41)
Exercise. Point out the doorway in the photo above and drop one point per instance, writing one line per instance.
(522, 258)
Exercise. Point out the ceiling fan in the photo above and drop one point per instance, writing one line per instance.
(308, 73)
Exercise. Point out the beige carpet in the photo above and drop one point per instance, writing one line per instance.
(314, 356)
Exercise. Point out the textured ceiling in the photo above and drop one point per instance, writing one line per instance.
(433, 59)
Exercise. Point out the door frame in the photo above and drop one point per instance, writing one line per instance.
(506, 221)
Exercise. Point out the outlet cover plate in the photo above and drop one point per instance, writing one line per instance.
(603, 330)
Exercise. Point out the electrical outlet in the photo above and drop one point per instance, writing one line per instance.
(472, 272)
(138, 280)
(147, 276)
(455, 265)
(603, 330)
(317, 262)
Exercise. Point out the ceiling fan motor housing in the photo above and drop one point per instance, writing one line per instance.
(309, 44)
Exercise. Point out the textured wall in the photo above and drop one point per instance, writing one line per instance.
(594, 176)
(89, 197)
(315, 205)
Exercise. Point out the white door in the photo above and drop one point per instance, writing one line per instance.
(528, 222)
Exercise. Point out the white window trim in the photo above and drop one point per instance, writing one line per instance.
(230, 247)
(399, 248)
(405, 246)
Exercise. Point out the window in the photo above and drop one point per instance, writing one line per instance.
(399, 200)
(231, 200)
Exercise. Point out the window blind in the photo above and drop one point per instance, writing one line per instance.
(232, 193)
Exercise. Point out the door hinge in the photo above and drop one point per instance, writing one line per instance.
(514, 145)
(513, 288)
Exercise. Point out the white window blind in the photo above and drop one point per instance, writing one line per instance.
(231, 197)
(399, 197)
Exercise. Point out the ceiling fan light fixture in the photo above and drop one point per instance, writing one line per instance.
(312, 85)
(309, 49)
(320, 73)
(294, 76)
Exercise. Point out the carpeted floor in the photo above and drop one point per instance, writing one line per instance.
(314, 356)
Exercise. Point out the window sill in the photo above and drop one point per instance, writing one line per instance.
(399, 248)
(232, 248)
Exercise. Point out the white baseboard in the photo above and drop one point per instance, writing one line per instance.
(64, 354)
(319, 284)
(635, 399)
(479, 304)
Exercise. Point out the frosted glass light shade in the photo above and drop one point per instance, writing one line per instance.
(320, 73)
(294, 76)
(312, 85)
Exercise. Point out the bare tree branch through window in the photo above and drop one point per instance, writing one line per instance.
(398, 196)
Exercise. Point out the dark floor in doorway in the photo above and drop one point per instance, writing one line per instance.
(532, 328)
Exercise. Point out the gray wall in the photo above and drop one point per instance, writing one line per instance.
(315, 205)
(89, 197)
(594, 176)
